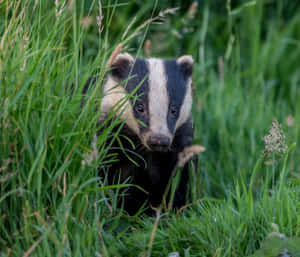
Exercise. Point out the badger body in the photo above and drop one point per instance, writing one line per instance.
(157, 119)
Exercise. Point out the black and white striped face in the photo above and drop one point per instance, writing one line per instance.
(163, 96)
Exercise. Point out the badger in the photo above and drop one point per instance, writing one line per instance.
(157, 119)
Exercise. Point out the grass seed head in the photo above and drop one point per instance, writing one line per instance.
(275, 140)
(100, 18)
(59, 8)
(193, 10)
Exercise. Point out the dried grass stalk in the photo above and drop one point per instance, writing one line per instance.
(188, 153)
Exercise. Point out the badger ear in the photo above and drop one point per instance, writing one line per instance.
(186, 63)
(121, 66)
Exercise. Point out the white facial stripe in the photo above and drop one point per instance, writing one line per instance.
(186, 106)
(113, 98)
(158, 97)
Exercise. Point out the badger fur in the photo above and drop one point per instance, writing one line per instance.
(157, 120)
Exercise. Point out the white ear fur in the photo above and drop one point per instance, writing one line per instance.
(121, 66)
(185, 63)
(185, 60)
(123, 57)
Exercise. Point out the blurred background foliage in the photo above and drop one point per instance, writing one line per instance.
(246, 73)
(207, 30)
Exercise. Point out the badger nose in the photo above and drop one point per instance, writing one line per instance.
(158, 141)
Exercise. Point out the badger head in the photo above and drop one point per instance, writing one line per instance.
(162, 90)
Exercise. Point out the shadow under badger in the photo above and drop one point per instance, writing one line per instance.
(158, 121)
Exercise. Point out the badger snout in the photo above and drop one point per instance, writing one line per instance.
(158, 142)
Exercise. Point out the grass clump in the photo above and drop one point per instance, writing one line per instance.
(52, 202)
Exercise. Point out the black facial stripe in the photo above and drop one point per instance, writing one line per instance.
(139, 74)
(176, 87)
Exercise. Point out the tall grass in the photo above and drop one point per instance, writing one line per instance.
(52, 202)
(45, 135)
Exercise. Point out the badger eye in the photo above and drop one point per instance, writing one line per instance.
(139, 108)
(174, 110)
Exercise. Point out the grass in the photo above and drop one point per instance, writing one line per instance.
(52, 203)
